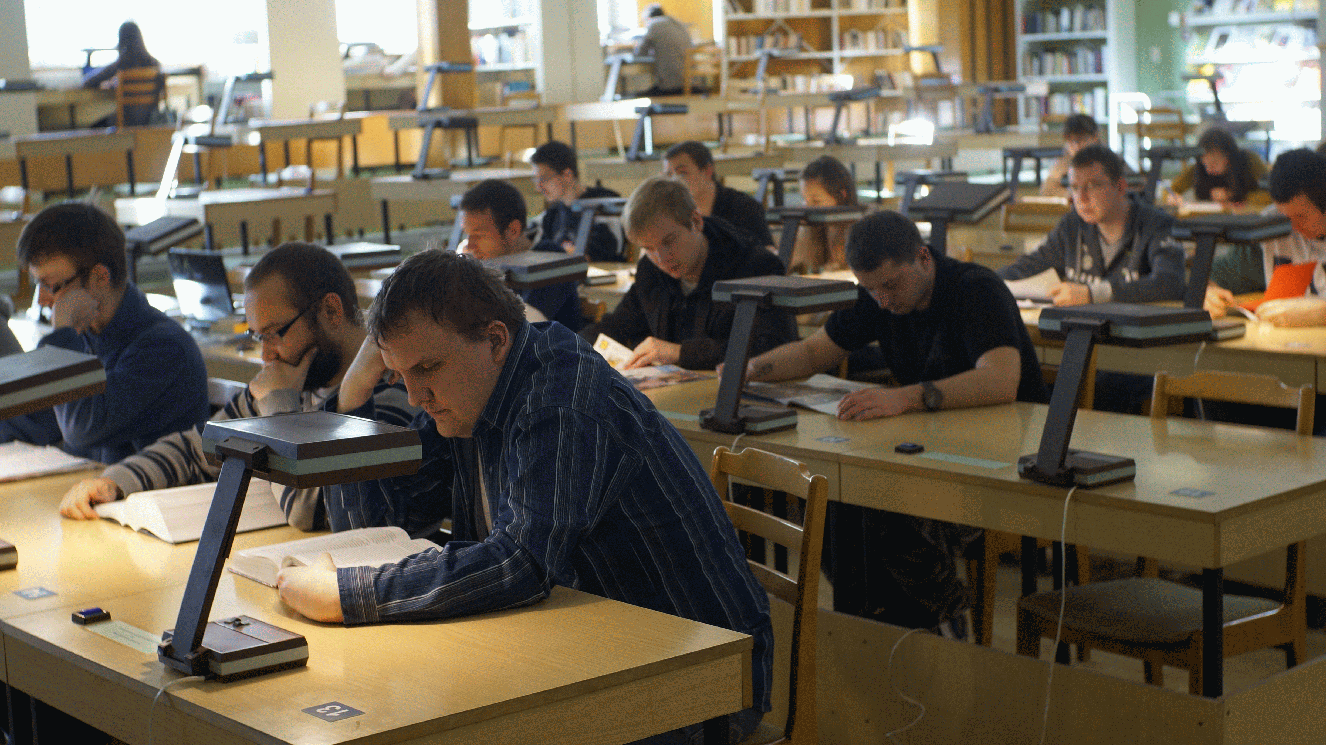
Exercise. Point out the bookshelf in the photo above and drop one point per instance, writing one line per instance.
(1077, 51)
(1266, 53)
(530, 41)
(822, 41)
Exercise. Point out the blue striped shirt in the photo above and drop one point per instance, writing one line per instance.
(589, 487)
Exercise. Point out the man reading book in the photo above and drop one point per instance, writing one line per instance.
(493, 213)
(952, 336)
(554, 469)
(669, 317)
(155, 379)
(692, 163)
(301, 306)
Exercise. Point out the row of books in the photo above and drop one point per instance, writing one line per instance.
(871, 4)
(856, 40)
(502, 48)
(1066, 19)
(738, 46)
(1094, 102)
(1081, 61)
(781, 6)
(1237, 7)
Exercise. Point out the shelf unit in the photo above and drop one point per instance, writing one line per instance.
(1074, 48)
(834, 38)
(1268, 61)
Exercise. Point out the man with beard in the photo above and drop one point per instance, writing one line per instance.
(301, 306)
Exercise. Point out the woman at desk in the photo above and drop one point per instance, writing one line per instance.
(133, 54)
(1225, 173)
(825, 182)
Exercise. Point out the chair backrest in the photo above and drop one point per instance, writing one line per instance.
(509, 94)
(1163, 123)
(781, 474)
(326, 110)
(136, 86)
(1035, 216)
(593, 310)
(1266, 390)
(703, 61)
(220, 391)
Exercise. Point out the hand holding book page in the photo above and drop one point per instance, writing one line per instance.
(643, 378)
(819, 393)
(1034, 291)
(369, 547)
(177, 515)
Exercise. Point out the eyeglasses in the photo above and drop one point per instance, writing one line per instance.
(275, 336)
(58, 286)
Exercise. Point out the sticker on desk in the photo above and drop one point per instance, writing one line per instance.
(130, 636)
(1296, 345)
(830, 439)
(1194, 493)
(33, 593)
(964, 460)
(332, 711)
(679, 417)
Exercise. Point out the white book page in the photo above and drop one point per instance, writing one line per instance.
(19, 460)
(1034, 289)
(616, 353)
(260, 564)
(178, 514)
(367, 555)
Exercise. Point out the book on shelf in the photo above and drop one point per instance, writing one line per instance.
(643, 378)
(20, 460)
(362, 547)
(177, 514)
(1067, 19)
(8, 555)
(819, 392)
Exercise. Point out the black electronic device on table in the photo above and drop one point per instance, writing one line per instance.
(201, 286)
(956, 201)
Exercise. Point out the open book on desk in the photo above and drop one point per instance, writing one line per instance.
(1034, 291)
(362, 547)
(643, 378)
(19, 460)
(177, 514)
(819, 393)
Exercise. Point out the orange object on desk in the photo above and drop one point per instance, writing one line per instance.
(1288, 280)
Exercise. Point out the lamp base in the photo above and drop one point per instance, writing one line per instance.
(1081, 468)
(238, 647)
(751, 418)
(432, 174)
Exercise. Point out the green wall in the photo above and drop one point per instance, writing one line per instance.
(1154, 33)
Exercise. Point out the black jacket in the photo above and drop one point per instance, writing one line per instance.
(559, 224)
(657, 306)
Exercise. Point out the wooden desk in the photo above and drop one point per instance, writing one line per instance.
(309, 130)
(635, 171)
(72, 108)
(245, 207)
(367, 84)
(407, 188)
(69, 144)
(874, 150)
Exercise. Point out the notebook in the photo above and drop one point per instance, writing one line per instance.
(1288, 280)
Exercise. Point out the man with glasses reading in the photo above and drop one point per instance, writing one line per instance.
(1111, 247)
(155, 379)
(301, 306)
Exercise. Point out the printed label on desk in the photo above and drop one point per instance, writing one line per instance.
(964, 460)
(33, 593)
(332, 711)
(832, 440)
(1194, 493)
(679, 417)
(130, 636)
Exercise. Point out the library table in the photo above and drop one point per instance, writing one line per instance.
(407, 188)
(1206, 494)
(877, 150)
(309, 130)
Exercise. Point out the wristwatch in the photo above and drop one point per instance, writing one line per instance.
(931, 397)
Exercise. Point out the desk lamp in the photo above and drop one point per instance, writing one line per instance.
(1082, 327)
(984, 123)
(762, 69)
(791, 217)
(37, 380)
(432, 119)
(1211, 81)
(306, 449)
(1156, 156)
(531, 270)
(772, 177)
(1208, 230)
(589, 210)
(794, 294)
(642, 140)
(840, 100)
(956, 200)
(159, 235)
(1018, 154)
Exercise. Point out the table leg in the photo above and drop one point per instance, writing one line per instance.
(386, 223)
(129, 165)
(69, 173)
(244, 236)
(1028, 566)
(1213, 633)
(209, 237)
(396, 150)
(262, 161)
(715, 731)
(354, 155)
(327, 228)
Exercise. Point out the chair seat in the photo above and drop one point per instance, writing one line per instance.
(1139, 610)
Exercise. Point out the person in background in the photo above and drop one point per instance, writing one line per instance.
(300, 302)
(1298, 188)
(493, 213)
(692, 163)
(557, 177)
(8, 342)
(667, 41)
(1080, 130)
(155, 379)
(825, 182)
(1224, 173)
(132, 54)
(1112, 246)
(669, 316)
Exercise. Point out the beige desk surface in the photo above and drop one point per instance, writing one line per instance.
(297, 129)
(873, 149)
(76, 141)
(602, 111)
(725, 164)
(489, 116)
(378, 81)
(72, 96)
(1268, 487)
(230, 362)
(254, 204)
(966, 139)
(405, 187)
(573, 669)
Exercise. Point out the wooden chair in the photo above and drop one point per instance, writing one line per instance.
(593, 311)
(781, 474)
(1162, 123)
(507, 95)
(1160, 621)
(1033, 215)
(137, 89)
(704, 69)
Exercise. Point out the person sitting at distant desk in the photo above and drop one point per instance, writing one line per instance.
(667, 41)
(300, 302)
(1110, 247)
(825, 182)
(1080, 130)
(132, 54)
(692, 163)
(557, 177)
(669, 316)
(493, 213)
(155, 379)
(1224, 173)
(953, 338)
(1298, 188)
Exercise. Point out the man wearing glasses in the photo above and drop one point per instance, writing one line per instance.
(155, 379)
(1111, 247)
(301, 307)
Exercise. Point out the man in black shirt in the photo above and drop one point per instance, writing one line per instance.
(952, 335)
(669, 317)
(557, 177)
(692, 164)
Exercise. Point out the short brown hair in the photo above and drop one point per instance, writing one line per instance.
(310, 272)
(79, 232)
(657, 196)
(455, 290)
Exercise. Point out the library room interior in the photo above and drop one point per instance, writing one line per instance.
(912, 372)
